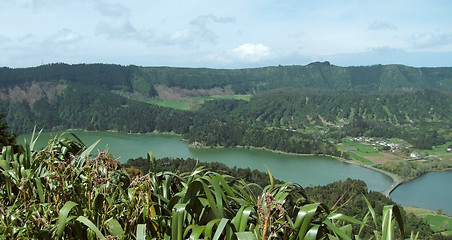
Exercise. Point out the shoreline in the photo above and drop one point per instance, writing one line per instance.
(395, 180)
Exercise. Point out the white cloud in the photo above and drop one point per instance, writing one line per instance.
(42, 3)
(201, 29)
(379, 25)
(48, 4)
(251, 52)
(113, 10)
(65, 36)
(3, 39)
(181, 36)
(116, 22)
(432, 39)
(203, 33)
(117, 28)
(203, 20)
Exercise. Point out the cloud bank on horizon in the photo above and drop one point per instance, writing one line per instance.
(226, 34)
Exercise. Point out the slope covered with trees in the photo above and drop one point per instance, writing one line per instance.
(422, 117)
(381, 100)
(254, 80)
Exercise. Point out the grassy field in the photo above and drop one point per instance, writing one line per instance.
(362, 149)
(194, 101)
(439, 150)
(438, 222)
(359, 158)
(170, 103)
(238, 97)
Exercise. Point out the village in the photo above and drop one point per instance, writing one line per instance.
(394, 146)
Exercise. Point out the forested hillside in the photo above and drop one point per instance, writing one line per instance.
(423, 117)
(254, 80)
(331, 102)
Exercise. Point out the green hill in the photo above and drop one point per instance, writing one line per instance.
(380, 100)
(312, 76)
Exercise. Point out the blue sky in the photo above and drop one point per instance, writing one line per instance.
(226, 34)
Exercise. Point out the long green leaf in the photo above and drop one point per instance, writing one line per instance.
(337, 231)
(141, 231)
(209, 227)
(85, 154)
(62, 217)
(386, 227)
(272, 180)
(399, 219)
(245, 236)
(244, 220)
(225, 185)
(196, 231)
(151, 161)
(237, 218)
(345, 218)
(371, 210)
(91, 226)
(414, 237)
(303, 220)
(4, 165)
(177, 223)
(114, 227)
(366, 217)
(40, 190)
(347, 229)
(8, 156)
(220, 228)
(210, 198)
(34, 139)
(312, 233)
(218, 196)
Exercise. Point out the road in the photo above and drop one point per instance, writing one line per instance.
(395, 180)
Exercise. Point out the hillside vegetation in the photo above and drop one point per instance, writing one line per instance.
(310, 106)
(422, 117)
(254, 80)
(298, 109)
(62, 192)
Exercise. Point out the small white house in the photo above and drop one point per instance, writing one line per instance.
(414, 155)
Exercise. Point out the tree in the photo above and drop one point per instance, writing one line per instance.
(6, 139)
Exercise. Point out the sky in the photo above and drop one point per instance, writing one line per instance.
(226, 34)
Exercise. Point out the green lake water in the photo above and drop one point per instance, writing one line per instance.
(305, 170)
(432, 191)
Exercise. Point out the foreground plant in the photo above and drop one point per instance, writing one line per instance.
(62, 192)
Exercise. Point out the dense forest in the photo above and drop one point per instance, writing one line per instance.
(318, 75)
(299, 109)
(422, 117)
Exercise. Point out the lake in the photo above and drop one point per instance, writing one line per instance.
(305, 170)
(431, 191)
